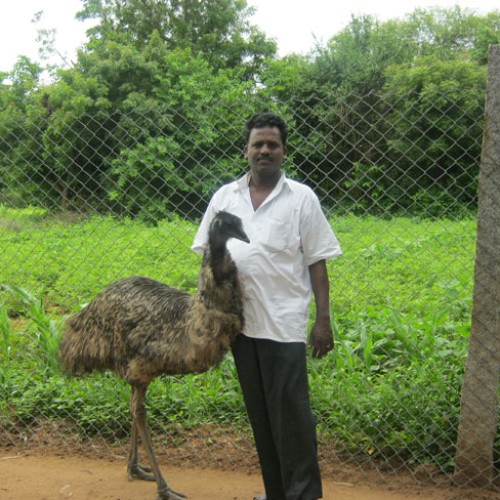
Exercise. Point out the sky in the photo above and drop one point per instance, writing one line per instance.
(295, 24)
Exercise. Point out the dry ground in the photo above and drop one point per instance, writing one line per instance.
(40, 476)
(49, 477)
(52, 463)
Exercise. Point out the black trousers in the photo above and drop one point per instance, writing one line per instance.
(273, 378)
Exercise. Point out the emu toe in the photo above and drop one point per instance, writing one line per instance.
(169, 494)
(140, 472)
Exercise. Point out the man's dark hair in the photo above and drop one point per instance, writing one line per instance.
(267, 119)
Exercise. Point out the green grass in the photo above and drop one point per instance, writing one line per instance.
(401, 296)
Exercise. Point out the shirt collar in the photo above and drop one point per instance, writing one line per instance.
(243, 182)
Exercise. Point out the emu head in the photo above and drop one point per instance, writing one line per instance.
(225, 226)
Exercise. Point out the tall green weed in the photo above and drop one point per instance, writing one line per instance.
(42, 333)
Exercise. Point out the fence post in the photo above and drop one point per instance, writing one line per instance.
(479, 405)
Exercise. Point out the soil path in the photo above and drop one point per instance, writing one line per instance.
(50, 477)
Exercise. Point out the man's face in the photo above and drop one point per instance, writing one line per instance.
(265, 152)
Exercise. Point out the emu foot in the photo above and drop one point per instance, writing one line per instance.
(140, 472)
(169, 494)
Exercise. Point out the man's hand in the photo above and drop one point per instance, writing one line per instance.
(321, 339)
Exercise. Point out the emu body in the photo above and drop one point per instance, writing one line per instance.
(141, 328)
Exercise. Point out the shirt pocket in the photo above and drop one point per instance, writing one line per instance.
(276, 235)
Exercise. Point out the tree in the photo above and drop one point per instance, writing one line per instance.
(334, 98)
(487, 33)
(453, 32)
(433, 134)
(178, 145)
(21, 115)
(145, 132)
(218, 29)
(351, 98)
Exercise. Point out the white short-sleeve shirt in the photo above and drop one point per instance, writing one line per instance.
(288, 233)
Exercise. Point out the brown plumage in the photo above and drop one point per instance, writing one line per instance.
(141, 328)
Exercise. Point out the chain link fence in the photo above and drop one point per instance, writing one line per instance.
(90, 198)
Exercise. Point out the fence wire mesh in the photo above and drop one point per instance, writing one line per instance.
(88, 197)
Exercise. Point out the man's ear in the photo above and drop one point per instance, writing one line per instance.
(245, 151)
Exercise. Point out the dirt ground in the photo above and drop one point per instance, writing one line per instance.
(39, 476)
(50, 461)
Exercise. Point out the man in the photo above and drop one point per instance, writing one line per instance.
(281, 268)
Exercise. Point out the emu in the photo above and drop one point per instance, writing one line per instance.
(141, 328)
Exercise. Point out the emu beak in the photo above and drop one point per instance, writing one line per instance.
(239, 234)
(242, 236)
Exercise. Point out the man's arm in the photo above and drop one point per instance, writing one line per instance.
(321, 338)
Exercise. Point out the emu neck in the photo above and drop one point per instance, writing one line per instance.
(217, 261)
(219, 287)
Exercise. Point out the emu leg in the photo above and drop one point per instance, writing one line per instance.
(139, 417)
(134, 469)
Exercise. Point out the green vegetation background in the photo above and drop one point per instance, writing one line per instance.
(384, 116)
(401, 295)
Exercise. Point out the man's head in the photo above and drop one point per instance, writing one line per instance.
(265, 147)
(267, 119)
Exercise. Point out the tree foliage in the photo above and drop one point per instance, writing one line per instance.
(340, 101)
(218, 29)
(435, 126)
(385, 115)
